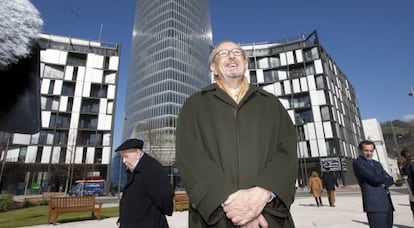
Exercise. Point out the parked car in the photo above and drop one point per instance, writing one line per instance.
(87, 187)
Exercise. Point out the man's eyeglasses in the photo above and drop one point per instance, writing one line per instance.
(225, 52)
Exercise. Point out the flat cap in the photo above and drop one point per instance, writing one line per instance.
(130, 144)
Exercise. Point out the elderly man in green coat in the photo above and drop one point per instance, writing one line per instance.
(236, 150)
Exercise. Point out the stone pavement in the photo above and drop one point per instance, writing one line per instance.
(347, 213)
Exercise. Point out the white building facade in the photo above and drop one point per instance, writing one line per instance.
(78, 87)
(318, 97)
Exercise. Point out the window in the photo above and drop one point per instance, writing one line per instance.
(106, 62)
(89, 138)
(76, 59)
(22, 154)
(98, 90)
(311, 54)
(320, 82)
(303, 116)
(253, 77)
(296, 72)
(270, 75)
(98, 156)
(53, 71)
(274, 61)
(301, 133)
(90, 106)
(51, 86)
(50, 103)
(61, 138)
(88, 122)
(325, 113)
(300, 102)
(62, 156)
(68, 88)
(39, 154)
(252, 63)
(262, 63)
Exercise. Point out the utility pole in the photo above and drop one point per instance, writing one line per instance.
(395, 140)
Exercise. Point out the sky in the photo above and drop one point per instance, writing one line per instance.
(371, 41)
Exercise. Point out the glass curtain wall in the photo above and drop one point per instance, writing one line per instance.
(171, 42)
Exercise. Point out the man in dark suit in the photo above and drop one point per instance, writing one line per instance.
(374, 183)
(148, 193)
(329, 182)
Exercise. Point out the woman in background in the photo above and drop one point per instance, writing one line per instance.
(315, 184)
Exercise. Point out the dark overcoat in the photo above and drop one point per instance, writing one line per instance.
(147, 197)
(329, 181)
(374, 183)
(222, 146)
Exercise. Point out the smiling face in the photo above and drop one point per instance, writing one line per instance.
(229, 61)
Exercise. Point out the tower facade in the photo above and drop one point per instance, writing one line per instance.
(171, 42)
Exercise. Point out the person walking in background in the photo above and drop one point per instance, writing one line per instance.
(148, 193)
(408, 174)
(329, 182)
(374, 183)
(236, 150)
(315, 185)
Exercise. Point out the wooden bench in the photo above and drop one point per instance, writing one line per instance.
(181, 201)
(68, 204)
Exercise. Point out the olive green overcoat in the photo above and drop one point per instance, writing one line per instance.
(222, 147)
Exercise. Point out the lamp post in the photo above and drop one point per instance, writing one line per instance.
(3, 162)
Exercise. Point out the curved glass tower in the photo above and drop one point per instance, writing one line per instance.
(169, 61)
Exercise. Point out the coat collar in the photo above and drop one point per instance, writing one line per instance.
(225, 97)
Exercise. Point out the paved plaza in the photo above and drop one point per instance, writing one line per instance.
(347, 213)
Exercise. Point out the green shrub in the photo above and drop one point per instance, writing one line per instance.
(6, 202)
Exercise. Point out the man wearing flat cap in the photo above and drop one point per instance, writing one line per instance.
(148, 193)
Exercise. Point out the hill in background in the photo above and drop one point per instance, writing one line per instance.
(402, 136)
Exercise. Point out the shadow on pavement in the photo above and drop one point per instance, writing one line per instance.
(310, 205)
(394, 225)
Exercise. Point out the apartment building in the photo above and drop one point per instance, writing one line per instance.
(318, 97)
(78, 92)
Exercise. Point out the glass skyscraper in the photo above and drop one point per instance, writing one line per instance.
(171, 42)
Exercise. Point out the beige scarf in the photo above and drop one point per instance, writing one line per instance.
(238, 93)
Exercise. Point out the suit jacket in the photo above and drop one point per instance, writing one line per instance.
(147, 197)
(329, 181)
(374, 183)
